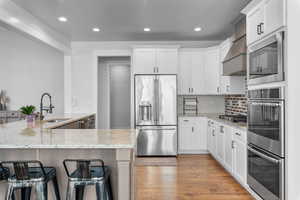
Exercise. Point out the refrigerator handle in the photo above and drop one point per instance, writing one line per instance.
(155, 99)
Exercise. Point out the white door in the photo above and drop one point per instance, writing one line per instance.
(144, 61)
(197, 76)
(185, 73)
(167, 61)
(274, 15)
(220, 143)
(228, 149)
(199, 131)
(240, 161)
(212, 71)
(254, 20)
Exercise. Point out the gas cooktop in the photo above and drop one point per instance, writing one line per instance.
(234, 118)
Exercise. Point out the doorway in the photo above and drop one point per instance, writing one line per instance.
(119, 96)
(114, 93)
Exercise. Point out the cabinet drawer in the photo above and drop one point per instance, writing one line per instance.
(239, 135)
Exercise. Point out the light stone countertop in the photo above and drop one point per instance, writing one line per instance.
(215, 116)
(21, 135)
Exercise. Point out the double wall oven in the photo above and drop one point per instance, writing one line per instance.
(266, 132)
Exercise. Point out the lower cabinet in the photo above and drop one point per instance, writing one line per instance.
(192, 135)
(229, 147)
(220, 143)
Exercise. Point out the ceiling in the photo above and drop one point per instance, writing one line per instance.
(124, 20)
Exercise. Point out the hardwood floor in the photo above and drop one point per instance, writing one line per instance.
(196, 177)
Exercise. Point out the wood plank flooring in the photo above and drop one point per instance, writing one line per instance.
(196, 177)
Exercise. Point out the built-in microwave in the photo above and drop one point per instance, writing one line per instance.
(266, 60)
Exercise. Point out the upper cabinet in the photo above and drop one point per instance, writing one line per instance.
(264, 18)
(190, 71)
(212, 71)
(155, 60)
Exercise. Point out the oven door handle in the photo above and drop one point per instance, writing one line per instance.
(273, 160)
(261, 103)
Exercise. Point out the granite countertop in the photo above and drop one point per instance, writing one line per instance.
(41, 134)
(215, 116)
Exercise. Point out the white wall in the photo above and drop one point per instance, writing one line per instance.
(28, 68)
(293, 99)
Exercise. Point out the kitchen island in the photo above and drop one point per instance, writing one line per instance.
(51, 144)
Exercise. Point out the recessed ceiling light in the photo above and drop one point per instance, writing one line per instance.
(62, 19)
(197, 29)
(96, 29)
(147, 29)
(14, 20)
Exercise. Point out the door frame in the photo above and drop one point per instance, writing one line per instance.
(111, 53)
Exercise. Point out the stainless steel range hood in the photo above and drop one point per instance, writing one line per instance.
(235, 62)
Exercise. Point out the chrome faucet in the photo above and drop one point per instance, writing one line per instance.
(42, 108)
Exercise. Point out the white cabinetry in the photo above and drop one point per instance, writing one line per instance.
(229, 84)
(191, 70)
(229, 146)
(228, 160)
(240, 156)
(264, 18)
(212, 70)
(212, 139)
(192, 135)
(220, 143)
(155, 61)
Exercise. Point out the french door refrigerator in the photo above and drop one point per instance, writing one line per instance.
(156, 114)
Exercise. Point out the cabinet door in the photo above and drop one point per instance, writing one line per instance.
(144, 61)
(274, 15)
(254, 19)
(228, 161)
(167, 61)
(200, 136)
(240, 161)
(197, 78)
(209, 136)
(185, 72)
(220, 143)
(212, 71)
(185, 134)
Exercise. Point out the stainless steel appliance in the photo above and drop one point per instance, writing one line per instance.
(266, 119)
(235, 62)
(156, 114)
(266, 60)
(266, 132)
(234, 118)
(265, 173)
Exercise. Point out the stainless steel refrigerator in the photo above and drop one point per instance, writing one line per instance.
(156, 114)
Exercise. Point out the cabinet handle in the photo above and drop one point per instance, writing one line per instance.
(232, 144)
(221, 129)
(238, 134)
(227, 88)
(258, 29)
(192, 90)
(261, 28)
(185, 120)
(189, 90)
(218, 89)
(213, 132)
(192, 129)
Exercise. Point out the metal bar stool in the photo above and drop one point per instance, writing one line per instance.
(28, 175)
(4, 174)
(88, 172)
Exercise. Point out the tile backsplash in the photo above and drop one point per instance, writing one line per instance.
(235, 104)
